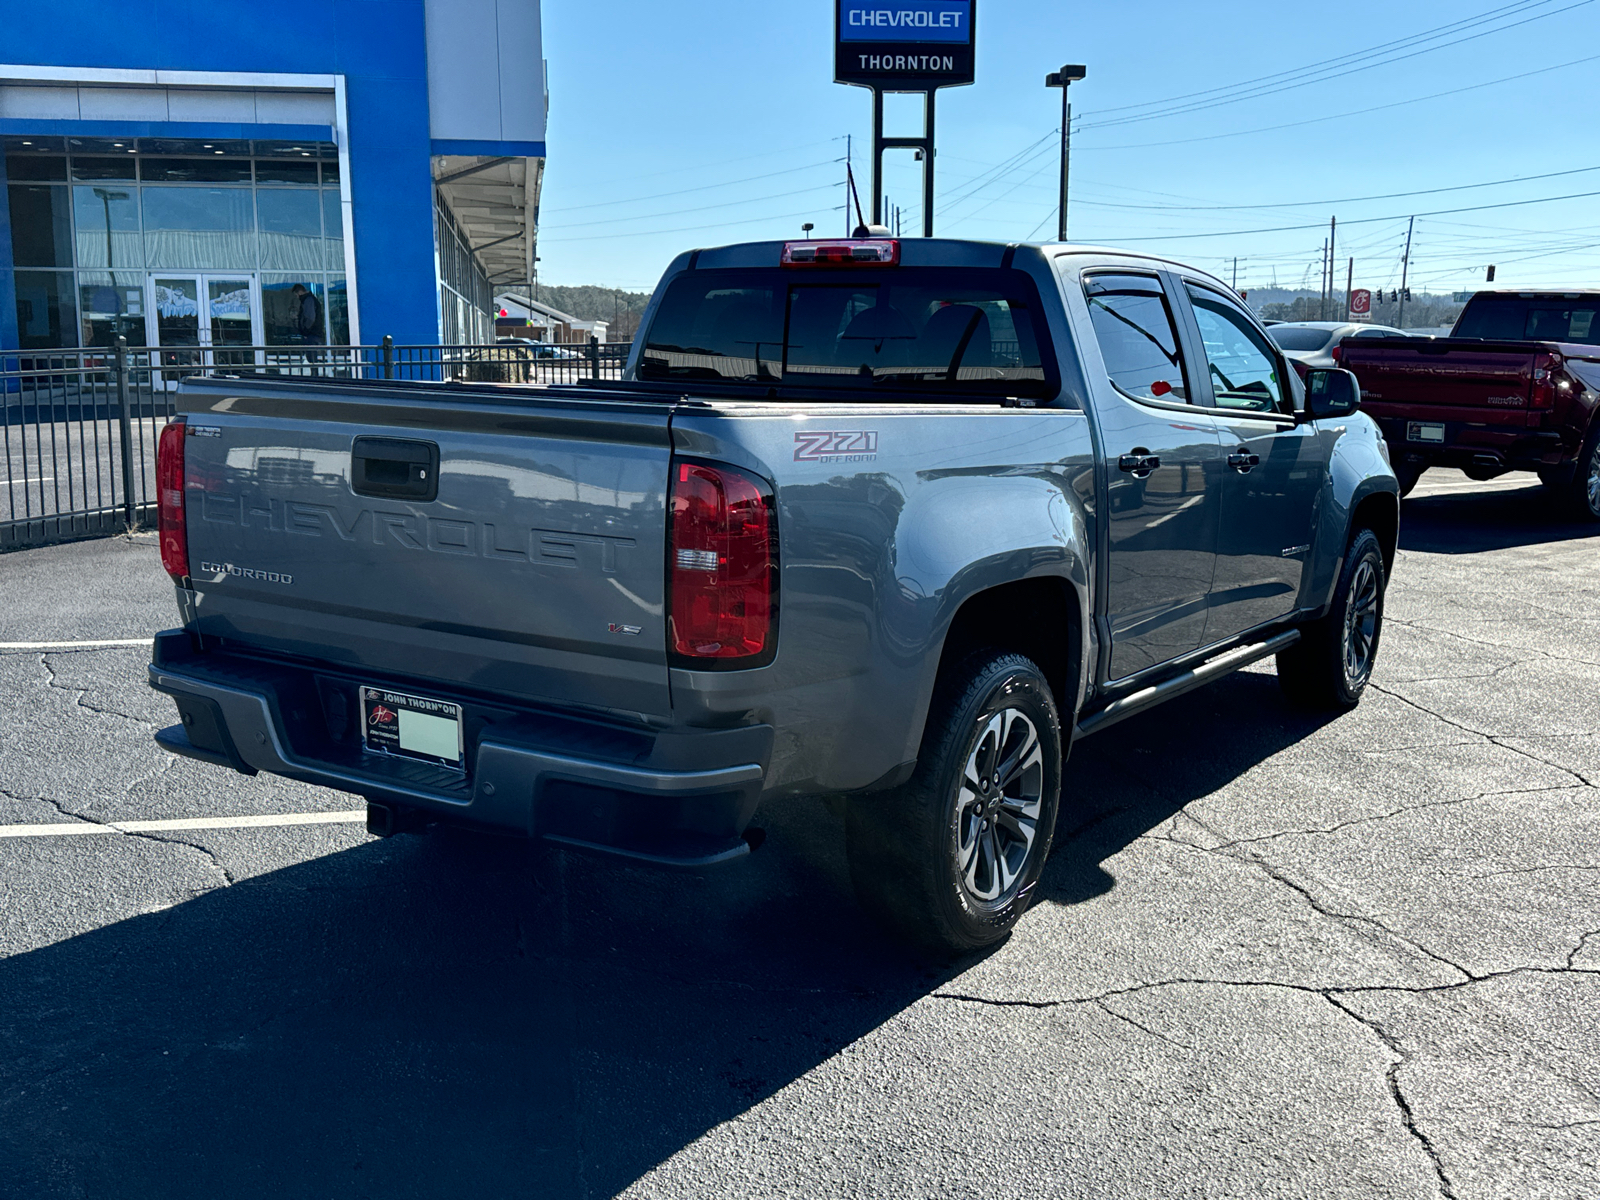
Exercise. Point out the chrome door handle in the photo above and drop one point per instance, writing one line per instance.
(1139, 464)
(1242, 460)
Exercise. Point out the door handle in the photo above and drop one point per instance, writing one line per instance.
(1242, 460)
(1140, 464)
(394, 468)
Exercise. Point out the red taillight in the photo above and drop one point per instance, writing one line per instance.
(170, 511)
(723, 563)
(1338, 354)
(884, 252)
(1545, 369)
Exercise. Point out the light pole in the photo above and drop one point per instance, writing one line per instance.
(806, 229)
(1063, 79)
(105, 199)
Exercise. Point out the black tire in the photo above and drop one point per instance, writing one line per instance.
(1408, 474)
(1582, 495)
(1331, 664)
(949, 867)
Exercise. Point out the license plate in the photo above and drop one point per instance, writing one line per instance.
(1425, 431)
(412, 726)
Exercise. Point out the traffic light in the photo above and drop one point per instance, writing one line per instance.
(1490, 279)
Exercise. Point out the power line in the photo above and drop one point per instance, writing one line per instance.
(1323, 74)
(1322, 64)
(721, 162)
(704, 187)
(678, 212)
(997, 173)
(1173, 237)
(1359, 112)
(1460, 187)
(595, 237)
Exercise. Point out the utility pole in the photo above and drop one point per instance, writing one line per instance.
(1349, 285)
(1322, 285)
(1236, 272)
(849, 186)
(1405, 268)
(1333, 240)
(1064, 79)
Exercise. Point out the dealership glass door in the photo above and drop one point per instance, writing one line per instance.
(203, 320)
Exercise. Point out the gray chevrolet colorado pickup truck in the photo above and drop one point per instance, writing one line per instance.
(888, 521)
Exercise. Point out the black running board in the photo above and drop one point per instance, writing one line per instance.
(1186, 681)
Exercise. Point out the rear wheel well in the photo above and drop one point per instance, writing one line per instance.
(1379, 512)
(1038, 618)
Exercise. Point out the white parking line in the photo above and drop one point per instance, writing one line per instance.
(99, 645)
(86, 828)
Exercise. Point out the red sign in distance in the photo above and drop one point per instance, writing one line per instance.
(1361, 303)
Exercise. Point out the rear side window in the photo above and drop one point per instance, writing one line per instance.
(1137, 337)
(958, 331)
(1539, 319)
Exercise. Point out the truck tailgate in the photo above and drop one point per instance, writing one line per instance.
(1444, 379)
(536, 571)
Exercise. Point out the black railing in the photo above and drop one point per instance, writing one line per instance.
(79, 427)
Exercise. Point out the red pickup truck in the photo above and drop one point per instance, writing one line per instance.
(1515, 387)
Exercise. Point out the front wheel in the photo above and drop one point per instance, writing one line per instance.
(1331, 664)
(950, 859)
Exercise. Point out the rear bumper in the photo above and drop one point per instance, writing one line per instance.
(1467, 445)
(681, 798)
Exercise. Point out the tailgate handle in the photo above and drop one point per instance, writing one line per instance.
(394, 468)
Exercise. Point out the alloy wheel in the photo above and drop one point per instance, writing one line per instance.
(997, 811)
(1592, 484)
(1361, 623)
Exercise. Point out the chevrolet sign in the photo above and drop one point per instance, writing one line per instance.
(904, 45)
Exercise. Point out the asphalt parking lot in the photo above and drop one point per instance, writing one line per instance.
(1277, 955)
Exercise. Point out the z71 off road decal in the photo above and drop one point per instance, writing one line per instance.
(850, 445)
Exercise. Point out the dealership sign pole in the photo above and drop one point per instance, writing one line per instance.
(914, 46)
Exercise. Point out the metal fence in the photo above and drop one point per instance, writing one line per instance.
(80, 426)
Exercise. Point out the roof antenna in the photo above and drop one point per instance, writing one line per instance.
(861, 217)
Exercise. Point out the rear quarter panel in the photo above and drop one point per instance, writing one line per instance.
(884, 531)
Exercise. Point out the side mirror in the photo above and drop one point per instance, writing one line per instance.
(1331, 393)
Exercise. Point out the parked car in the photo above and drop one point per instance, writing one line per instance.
(542, 351)
(1515, 387)
(892, 522)
(1316, 343)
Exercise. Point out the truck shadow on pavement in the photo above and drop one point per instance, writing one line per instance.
(451, 1015)
(1125, 782)
(1469, 522)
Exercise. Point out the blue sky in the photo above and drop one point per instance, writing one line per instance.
(680, 125)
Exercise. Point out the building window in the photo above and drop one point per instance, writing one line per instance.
(199, 228)
(111, 304)
(46, 316)
(291, 229)
(41, 226)
(125, 219)
(466, 305)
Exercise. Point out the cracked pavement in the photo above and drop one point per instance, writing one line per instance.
(1274, 954)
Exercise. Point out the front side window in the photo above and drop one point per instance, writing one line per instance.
(923, 329)
(1137, 338)
(1239, 358)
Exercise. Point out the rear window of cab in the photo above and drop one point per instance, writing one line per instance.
(962, 332)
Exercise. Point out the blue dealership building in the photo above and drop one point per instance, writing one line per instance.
(193, 173)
